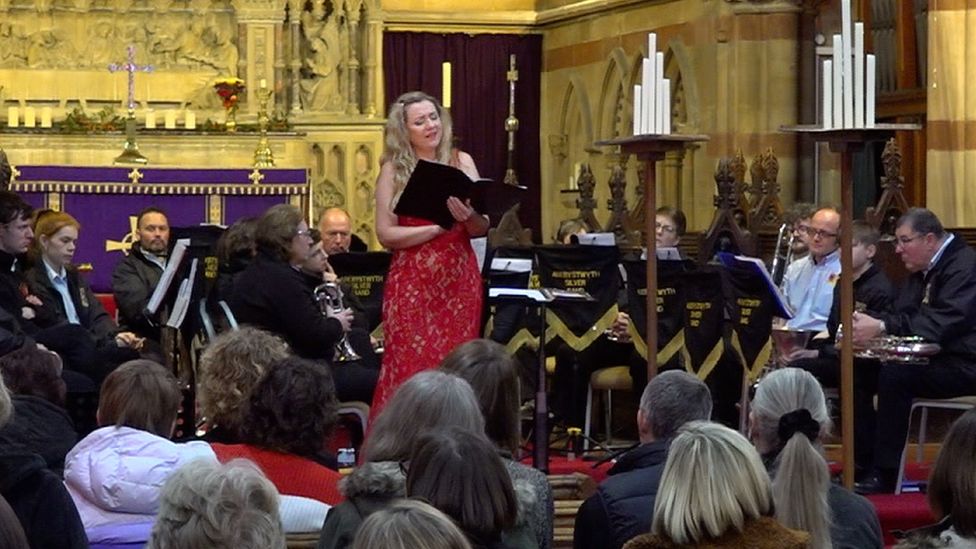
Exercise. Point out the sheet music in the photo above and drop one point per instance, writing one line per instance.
(172, 264)
(511, 265)
(597, 239)
(182, 303)
(663, 254)
(534, 294)
(480, 247)
(757, 266)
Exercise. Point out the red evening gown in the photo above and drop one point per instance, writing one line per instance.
(431, 304)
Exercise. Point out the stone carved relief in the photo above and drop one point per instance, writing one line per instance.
(323, 59)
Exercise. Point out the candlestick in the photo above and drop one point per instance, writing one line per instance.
(13, 117)
(847, 69)
(46, 121)
(827, 92)
(150, 119)
(666, 106)
(446, 84)
(659, 107)
(838, 81)
(647, 88)
(30, 117)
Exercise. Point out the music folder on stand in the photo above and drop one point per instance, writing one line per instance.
(541, 298)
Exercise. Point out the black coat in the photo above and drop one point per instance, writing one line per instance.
(41, 502)
(940, 305)
(273, 296)
(91, 314)
(873, 294)
(622, 506)
(14, 289)
(133, 282)
(40, 427)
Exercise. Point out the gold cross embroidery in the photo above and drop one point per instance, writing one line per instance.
(256, 176)
(135, 175)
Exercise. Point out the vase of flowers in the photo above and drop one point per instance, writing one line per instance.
(229, 90)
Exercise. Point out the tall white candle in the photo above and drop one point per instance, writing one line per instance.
(659, 107)
(827, 92)
(859, 75)
(46, 118)
(838, 91)
(647, 93)
(847, 69)
(870, 69)
(637, 110)
(13, 117)
(150, 119)
(170, 120)
(666, 102)
(446, 84)
(30, 117)
(190, 120)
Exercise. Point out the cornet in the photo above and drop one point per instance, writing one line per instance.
(329, 298)
(783, 254)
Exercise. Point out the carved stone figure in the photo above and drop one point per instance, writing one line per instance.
(321, 31)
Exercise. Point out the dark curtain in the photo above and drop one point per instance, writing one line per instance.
(479, 97)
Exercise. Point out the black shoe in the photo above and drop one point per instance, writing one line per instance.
(878, 482)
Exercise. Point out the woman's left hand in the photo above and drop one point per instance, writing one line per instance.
(462, 211)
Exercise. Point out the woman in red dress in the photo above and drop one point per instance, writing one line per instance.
(432, 297)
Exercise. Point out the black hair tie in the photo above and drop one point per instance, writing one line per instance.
(798, 421)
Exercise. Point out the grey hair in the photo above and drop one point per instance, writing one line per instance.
(409, 524)
(922, 221)
(672, 399)
(206, 505)
(431, 400)
(6, 404)
(713, 482)
(801, 478)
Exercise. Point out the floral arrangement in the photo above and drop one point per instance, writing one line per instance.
(229, 90)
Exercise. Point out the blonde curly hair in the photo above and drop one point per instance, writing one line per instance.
(398, 149)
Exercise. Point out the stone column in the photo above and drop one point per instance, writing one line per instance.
(262, 21)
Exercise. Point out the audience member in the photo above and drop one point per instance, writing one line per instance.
(39, 499)
(288, 419)
(429, 401)
(715, 493)
(229, 369)
(458, 472)
(788, 420)
(951, 492)
(213, 506)
(410, 524)
(114, 474)
(136, 276)
(618, 511)
(12, 534)
(40, 424)
(235, 250)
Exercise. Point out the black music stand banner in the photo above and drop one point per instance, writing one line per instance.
(512, 324)
(670, 308)
(592, 269)
(703, 315)
(365, 273)
(751, 311)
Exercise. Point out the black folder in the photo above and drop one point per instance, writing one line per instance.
(430, 184)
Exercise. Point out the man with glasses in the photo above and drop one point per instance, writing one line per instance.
(937, 303)
(809, 282)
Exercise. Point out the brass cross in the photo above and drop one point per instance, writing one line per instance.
(512, 74)
(14, 173)
(135, 175)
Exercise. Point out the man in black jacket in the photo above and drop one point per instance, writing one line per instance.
(938, 303)
(623, 504)
(136, 276)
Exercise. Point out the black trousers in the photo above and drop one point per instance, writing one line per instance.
(571, 380)
(356, 380)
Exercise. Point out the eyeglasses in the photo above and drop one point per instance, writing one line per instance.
(303, 232)
(813, 233)
(906, 240)
(665, 228)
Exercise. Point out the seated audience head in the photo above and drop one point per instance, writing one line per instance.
(460, 473)
(55, 238)
(429, 401)
(918, 236)
(864, 239)
(236, 246)
(713, 482)
(823, 235)
(568, 228)
(317, 261)
(283, 234)
(34, 372)
(492, 374)
(229, 369)
(292, 409)
(670, 400)
(409, 524)
(788, 417)
(336, 228)
(6, 404)
(670, 225)
(16, 232)
(140, 394)
(152, 227)
(12, 534)
(798, 217)
(952, 483)
(214, 506)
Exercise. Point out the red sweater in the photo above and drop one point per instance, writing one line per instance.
(292, 475)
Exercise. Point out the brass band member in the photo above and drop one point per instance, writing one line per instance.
(809, 282)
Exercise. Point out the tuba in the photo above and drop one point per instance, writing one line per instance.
(783, 254)
(329, 298)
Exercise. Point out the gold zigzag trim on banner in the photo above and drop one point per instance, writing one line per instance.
(665, 353)
(709, 363)
(578, 343)
(522, 338)
(378, 333)
(755, 370)
(639, 344)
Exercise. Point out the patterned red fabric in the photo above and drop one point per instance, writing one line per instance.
(431, 303)
(292, 475)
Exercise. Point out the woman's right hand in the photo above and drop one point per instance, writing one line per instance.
(345, 318)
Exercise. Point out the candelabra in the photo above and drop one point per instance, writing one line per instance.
(263, 157)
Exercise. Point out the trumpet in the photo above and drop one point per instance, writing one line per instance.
(329, 298)
(783, 254)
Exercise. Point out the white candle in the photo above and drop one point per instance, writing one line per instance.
(647, 90)
(46, 117)
(827, 91)
(637, 110)
(170, 120)
(838, 84)
(13, 117)
(847, 69)
(666, 102)
(30, 117)
(190, 120)
(264, 83)
(150, 119)
(869, 79)
(659, 107)
(446, 84)
(859, 75)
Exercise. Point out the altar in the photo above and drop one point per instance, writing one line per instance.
(106, 200)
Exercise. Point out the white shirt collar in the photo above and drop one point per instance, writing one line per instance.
(52, 274)
(938, 254)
